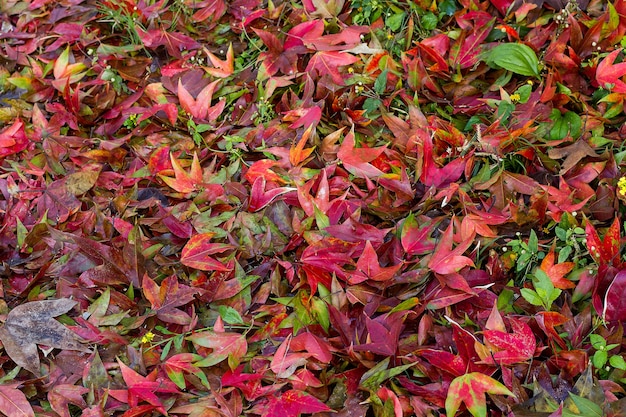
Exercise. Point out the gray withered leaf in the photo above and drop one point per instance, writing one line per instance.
(32, 323)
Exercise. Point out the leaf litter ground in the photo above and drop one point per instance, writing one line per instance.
(353, 208)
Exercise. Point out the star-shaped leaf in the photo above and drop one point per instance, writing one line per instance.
(32, 323)
(471, 389)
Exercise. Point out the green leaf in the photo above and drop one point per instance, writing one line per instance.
(381, 82)
(394, 22)
(524, 93)
(229, 315)
(531, 296)
(599, 359)
(533, 242)
(565, 124)
(514, 57)
(372, 379)
(586, 407)
(618, 362)
(597, 341)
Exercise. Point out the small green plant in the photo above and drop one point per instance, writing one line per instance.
(122, 19)
(526, 252)
(196, 130)
(544, 293)
(601, 356)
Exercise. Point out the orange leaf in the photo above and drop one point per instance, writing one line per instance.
(297, 154)
(184, 182)
(557, 272)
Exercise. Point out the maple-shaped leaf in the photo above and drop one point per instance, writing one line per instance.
(471, 389)
(294, 403)
(196, 253)
(222, 68)
(13, 402)
(509, 348)
(278, 57)
(383, 334)
(609, 75)
(64, 394)
(357, 160)
(415, 235)
(607, 250)
(184, 182)
(446, 260)
(32, 323)
(225, 345)
(368, 267)
(175, 367)
(298, 154)
(557, 272)
(165, 298)
(174, 42)
(200, 107)
(572, 153)
(328, 63)
(142, 388)
(547, 320)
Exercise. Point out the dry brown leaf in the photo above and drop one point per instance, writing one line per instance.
(79, 183)
(572, 154)
(32, 323)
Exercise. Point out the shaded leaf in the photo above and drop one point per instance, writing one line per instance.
(32, 323)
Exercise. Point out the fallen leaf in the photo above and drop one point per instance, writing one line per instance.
(471, 389)
(13, 402)
(573, 154)
(32, 323)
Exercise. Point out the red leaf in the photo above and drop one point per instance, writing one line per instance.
(294, 403)
(13, 402)
(13, 139)
(174, 42)
(415, 237)
(465, 52)
(64, 394)
(547, 320)
(609, 73)
(284, 364)
(200, 107)
(368, 267)
(165, 298)
(260, 197)
(614, 308)
(446, 260)
(357, 160)
(224, 344)
(196, 253)
(142, 388)
(510, 348)
(328, 63)
(607, 250)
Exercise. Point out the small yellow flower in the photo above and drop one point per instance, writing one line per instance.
(147, 338)
(621, 186)
(515, 97)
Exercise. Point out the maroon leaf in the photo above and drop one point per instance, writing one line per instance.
(294, 403)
